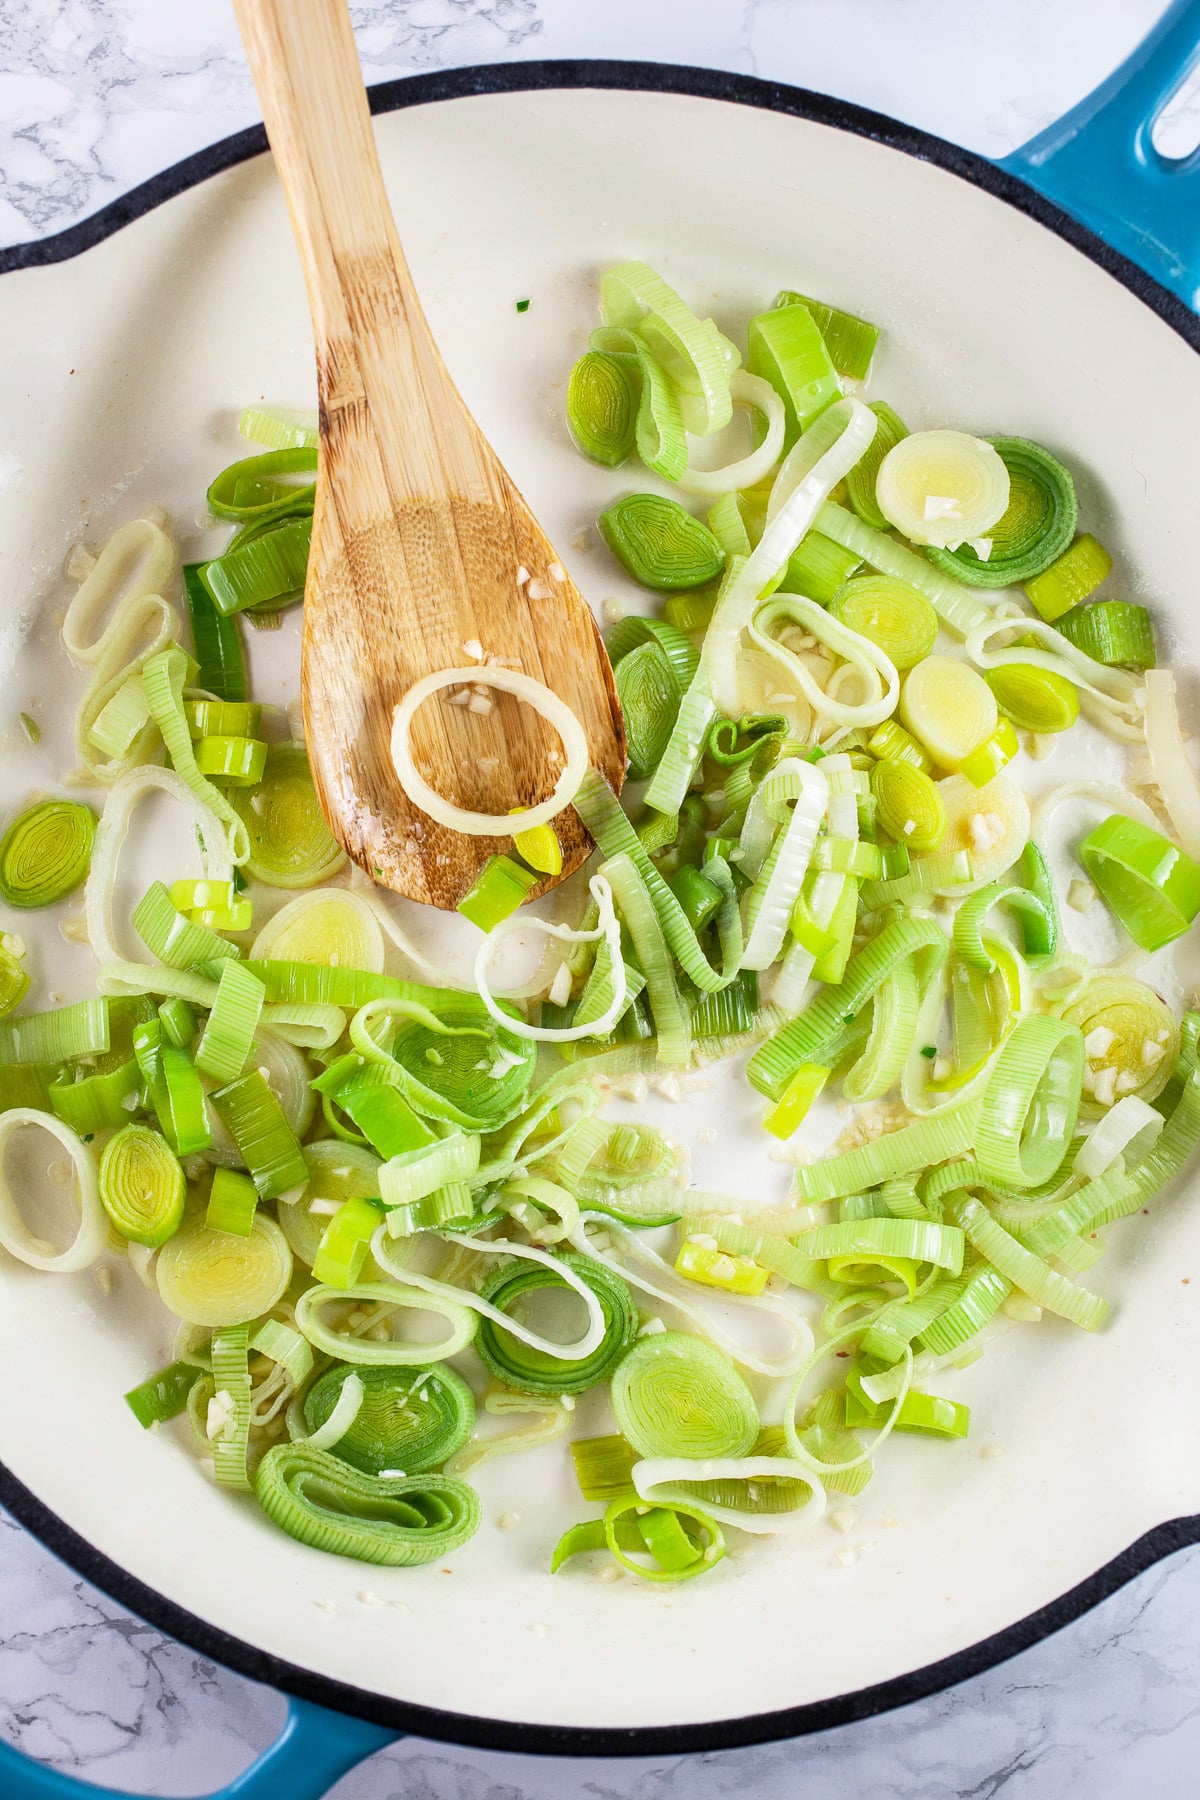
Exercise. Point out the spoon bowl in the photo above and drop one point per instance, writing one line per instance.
(424, 555)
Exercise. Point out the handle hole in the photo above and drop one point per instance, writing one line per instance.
(1175, 133)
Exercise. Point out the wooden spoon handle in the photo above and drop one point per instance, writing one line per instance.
(375, 352)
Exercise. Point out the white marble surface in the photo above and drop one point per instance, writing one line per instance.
(97, 95)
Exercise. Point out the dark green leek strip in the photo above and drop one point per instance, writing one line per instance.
(397, 1521)
(255, 1120)
(45, 852)
(261, 572)
(55, 1037)
(216, 641)
(804, 1039)
(163, 1396)
(601, 812)
(410, 1419)
(270, 486)
(532, 1371)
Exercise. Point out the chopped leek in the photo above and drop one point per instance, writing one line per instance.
(1075, 575)
(660, 543)
(1151, 886)
(45, 852)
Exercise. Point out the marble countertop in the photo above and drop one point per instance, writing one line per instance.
(97, 95)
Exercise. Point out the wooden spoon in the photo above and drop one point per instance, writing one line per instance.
(422, 546)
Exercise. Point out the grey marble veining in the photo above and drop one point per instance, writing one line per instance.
(97, 95)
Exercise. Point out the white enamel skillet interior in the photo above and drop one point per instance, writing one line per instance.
(131, 363)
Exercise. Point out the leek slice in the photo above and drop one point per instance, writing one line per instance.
(660, 543)
(172, 937)
(228, 1423)
(1035, 528)
(1131, 1038)
(676, 1396)
(609, 1001)
(786, 348)
(14, 978)
(229, 1034)
(398, 1521)
(1112, 632)
(945, 1133)
(877, 680)
(164, 677)
(216, 641)
(259, 488)
(804, 1039)
(794, 796)
(1031, 1102)
(691, 351)
(829, 448)
(1148, 884)
(265, 569)
(412, 1419)
(750, 391)
(909, 807)
(989, 824)
(252, 1115)
(55, 1037)
(948, 707)
(1025, 1270)
(942, 488)
(91, 1231)
(45, 852)
(219, 1278)
(1077, 573)
(860, 482)
(142, 1186)
(335, 1172)
(434, 1056)
(891, 614)
(290, 845)
(602, 406)
(759, 1494)
(849, 340)
(521, 1365)
(384, 1298)
(1035, 699)
(1113, 698)
(959, 609)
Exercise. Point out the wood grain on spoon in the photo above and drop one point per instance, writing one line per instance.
(420, 538)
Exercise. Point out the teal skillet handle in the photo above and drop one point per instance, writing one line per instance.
(313, 1751)
(1098, 162)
